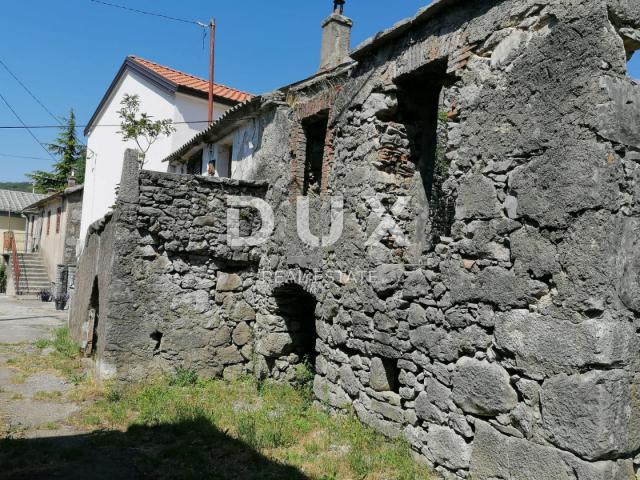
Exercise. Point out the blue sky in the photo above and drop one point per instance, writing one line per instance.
(68, 51)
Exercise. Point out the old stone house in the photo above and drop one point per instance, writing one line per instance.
(482, 299)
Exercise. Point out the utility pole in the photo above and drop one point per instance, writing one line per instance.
(212, 45)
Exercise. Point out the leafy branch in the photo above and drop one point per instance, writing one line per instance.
(140, 127)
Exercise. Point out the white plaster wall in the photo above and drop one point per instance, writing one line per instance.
(245, 142)
(106, 148)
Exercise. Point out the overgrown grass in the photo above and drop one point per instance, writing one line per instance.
(65, 358)
(274, 421)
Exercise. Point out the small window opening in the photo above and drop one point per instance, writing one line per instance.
(194, 166)
(421, 111)
(48, 222)
(633, 59)
(156, 337)
(298, 308)
(393, 373)
(315, 129)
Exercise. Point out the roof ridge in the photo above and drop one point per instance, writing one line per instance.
(138, 59)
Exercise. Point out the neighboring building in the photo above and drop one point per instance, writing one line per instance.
(482, 300)
(164, 93)
(11, 219)
(54, 230)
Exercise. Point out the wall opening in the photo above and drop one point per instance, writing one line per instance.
(156, 340)
(298, 307)
(90, 327)
(194, 165)
(421, 111)
(385, 375)
(315, 129)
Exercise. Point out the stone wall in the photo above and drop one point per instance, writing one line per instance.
(171, 292)
(495, 327)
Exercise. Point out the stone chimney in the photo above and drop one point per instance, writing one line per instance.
(336, 37)
(72, 181)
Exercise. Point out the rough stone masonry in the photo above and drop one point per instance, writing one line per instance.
(500, 336)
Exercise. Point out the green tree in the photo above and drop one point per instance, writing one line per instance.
(72, 155)
(140, 127)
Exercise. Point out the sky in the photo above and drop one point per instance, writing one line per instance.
(68, 51)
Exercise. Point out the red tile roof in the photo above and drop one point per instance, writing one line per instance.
(185, 80)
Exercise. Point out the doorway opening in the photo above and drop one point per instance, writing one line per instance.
(297, 308)
(420, 110)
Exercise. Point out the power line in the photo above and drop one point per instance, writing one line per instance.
(27, 128)
(142, 12)
(10, 155)
(42, 127)
(30, 93)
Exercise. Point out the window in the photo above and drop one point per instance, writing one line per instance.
(419, 100)
(194, 166)
(58, 218)
(315, 129)
(48, 222)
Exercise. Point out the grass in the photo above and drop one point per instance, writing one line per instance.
(65, 358)
(275, 421)
(182, 427)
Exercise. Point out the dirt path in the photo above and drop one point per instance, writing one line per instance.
(31, 406)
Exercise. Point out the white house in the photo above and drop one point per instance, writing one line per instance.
(164, 93)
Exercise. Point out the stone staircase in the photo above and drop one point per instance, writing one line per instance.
(33, 274)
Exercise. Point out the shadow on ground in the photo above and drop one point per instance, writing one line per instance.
(193, 449)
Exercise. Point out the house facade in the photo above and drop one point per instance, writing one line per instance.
(12, 204)
(54, 230)
(480, 298)
(164, 93)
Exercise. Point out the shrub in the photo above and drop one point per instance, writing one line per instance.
(184, 377)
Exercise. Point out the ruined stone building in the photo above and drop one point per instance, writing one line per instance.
(491, 317)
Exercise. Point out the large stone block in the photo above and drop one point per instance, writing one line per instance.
(447, 448)
(483, 388)
(546, 345)
(497, 456)
(534, 253)
(274, 345)
(228, 282)
(563, 181)
(595, 415)
(477, 198)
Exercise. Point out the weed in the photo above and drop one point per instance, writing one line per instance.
(184, 377)
(47, 395)
(42, 343)
(64, 344)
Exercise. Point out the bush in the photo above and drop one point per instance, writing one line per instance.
(184, 377)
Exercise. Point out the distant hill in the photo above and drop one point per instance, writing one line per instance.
(17, 186)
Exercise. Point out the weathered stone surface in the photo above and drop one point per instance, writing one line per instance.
(387, 278)
(228, 282)
(546, 345)
(545, 194)
(380, 378)
(482, 388)
(242, 334)
(274, 344)
(496, 455)
(448, 448)
(477, 198)
(595, 415)
(534, 253)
